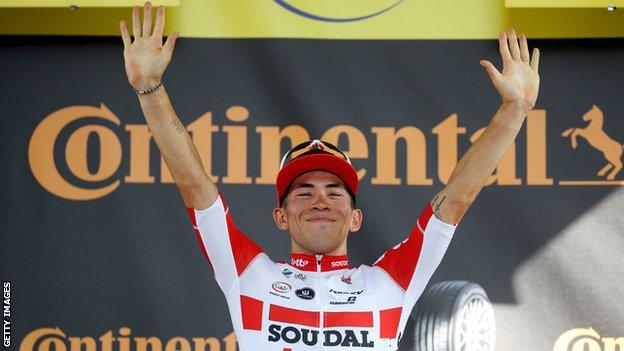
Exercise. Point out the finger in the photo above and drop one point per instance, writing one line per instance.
(160, 22)
(124, 34)
(136, 23)
(491, 71)
(535, 60)
(513, 44)
(503, 47)
(147, 19)
(170, 43)
(524, 49)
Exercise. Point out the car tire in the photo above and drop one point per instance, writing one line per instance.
(454, 316)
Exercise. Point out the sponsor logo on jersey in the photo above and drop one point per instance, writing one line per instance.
(281, 287)
(339, 264)
(310, 337)
(357, 292)
(345, 279)
(350, 301)
(301, 276)
(299, 262)
(279, 295)
(287, 272)
(305, 293)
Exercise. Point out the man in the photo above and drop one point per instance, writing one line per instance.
(319, 301)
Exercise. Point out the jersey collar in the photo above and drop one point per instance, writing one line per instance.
(319, 263)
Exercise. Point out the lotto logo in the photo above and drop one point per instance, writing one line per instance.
(299, 262)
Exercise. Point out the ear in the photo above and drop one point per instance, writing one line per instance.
(280, 218)
(356, 220)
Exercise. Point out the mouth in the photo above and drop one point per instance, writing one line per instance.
(320, 220)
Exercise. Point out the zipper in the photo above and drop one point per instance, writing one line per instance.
(321, 292)
(318, 263)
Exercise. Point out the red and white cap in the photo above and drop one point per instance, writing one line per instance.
(316, 155)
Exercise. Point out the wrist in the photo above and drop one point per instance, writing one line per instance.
(149, 90)
(514, 107)
(145, 84)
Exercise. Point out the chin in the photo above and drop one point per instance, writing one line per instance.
(321, 240)
(325, 249)
(318, 248)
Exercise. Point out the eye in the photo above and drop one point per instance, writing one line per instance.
(305, 194)
(335, 194)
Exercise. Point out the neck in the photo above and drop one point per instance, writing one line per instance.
(295, 248)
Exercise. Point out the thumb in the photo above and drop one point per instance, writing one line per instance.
(492, 72)
(170, 43)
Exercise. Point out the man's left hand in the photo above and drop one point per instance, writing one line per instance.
(519, 81)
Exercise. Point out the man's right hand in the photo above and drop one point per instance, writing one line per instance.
(146, 58)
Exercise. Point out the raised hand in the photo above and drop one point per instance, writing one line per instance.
(146, 58)
(519, 81)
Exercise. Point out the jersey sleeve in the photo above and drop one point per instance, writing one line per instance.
(228, 250)
(412, 262)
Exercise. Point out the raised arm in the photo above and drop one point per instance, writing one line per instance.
(146, 59)
(518, 86)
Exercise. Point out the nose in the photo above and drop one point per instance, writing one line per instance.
(321, 202)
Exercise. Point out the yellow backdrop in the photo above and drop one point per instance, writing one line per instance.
(409, 19)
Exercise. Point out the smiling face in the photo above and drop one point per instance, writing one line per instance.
(318, 215)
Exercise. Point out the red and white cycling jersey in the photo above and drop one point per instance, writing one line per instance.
(318, 302)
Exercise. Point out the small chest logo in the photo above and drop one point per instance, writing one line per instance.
(299, 262)
(301, 276)
(350, 301)
(339, 264)
(345, 279)
(338, 292)
(305, 293)
(287, 272)
(281, 287)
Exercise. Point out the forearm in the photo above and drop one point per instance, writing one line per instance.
(178, 150)
(478, 163)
